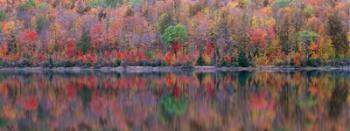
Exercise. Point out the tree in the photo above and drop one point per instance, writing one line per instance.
(307, 39)
(307, 36)
(337, 34)
(41, 22)
(2, 15)
(282, 3)
(258, 36)
(175, 36)
(105, 3)
(27, 5)
(243, 60)
(200, 60)
(135, 2)
(97, 36)
(28, 37)
(12, 47)
(163, 22)
(113, 3)
(85, 43)
(27, 41)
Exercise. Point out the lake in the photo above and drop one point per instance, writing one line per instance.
(294, 100)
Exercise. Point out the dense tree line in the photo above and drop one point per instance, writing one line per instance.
(174, 32)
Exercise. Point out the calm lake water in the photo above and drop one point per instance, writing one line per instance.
(310, 100)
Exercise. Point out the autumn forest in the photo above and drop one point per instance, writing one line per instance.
(242, 33)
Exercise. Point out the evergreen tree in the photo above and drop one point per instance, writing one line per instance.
(85, 42)
(243, 60)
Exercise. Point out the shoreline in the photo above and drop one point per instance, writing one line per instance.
(150, 69)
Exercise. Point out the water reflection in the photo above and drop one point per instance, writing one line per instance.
(167, 101)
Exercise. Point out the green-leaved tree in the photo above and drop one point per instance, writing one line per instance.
(175, 36)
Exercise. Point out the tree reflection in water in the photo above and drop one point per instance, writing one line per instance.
(175, 101)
